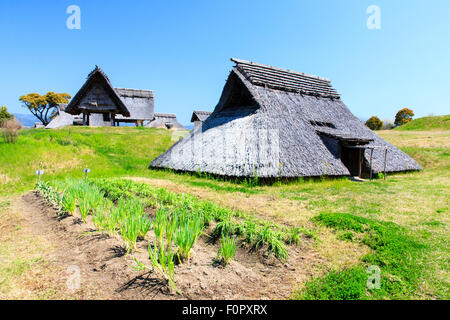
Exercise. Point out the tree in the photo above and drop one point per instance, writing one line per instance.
(403, 116)
(44, 107)
(4, 115)
(374, 123)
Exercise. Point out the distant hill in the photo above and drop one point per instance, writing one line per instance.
(26, 119)
(427, 123)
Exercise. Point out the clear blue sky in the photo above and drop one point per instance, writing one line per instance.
(181, 49)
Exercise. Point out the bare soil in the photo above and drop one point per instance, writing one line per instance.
(107, 273)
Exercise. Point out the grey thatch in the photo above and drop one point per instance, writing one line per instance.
(198, 115)
(61, 119)
(140, 104)
(166, 121)
(103, 105)
(281, 123)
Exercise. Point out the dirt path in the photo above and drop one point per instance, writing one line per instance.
(103, 267)
(106, 273)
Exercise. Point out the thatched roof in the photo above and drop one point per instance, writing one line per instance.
(198, 115)
(62, 118)
(140, 103)
(166, 121)
(96, 77)
(286, 80)
(126, 104)
(278, 123)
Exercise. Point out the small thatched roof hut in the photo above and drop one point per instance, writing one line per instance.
(101, 104)
(282, 123)
(61, 119)
(166, 121)
(198, 117)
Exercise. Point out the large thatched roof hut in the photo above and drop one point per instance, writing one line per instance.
(282, 123)
(100, 104)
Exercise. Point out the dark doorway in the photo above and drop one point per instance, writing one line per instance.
(351, 158)
(106, 117)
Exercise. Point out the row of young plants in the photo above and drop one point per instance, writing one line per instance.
(126, 219)
(175, 233)
(175, 229)
(230, 223)
(117, 207)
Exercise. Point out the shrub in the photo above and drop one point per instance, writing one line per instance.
(403, 116)
(374, 123)
(10, 130)
(5, 115)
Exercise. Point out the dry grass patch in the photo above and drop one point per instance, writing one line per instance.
(24, 272)
(338, 254)
(418, 139)
(4, 178)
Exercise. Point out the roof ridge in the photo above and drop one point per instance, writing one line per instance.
(98, 69)
(148, 90)
(162, 113)
(240, 61)
(202, 111)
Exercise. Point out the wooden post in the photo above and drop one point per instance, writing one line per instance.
(385, 158)
(359, 162)
(371, 154)
(84, 118)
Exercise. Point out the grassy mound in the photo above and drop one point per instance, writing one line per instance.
(427, 123)
(394, 253)
(65, 152)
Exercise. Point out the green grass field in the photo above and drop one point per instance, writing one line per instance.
(65, 152)
(400, 225)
